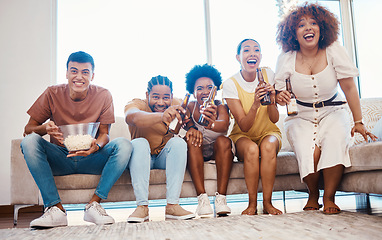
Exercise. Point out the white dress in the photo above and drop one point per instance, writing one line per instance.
(327, 127)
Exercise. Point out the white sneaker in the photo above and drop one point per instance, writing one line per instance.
(95, 213)
(52, 217)
(204, 206)
(221, 207)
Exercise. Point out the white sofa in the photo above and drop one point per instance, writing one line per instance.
(365, 175)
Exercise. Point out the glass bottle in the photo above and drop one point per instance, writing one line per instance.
(292, 105)
(266, 100)
(210, 100)
(175, 125)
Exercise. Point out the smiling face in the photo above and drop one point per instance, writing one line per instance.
(79, 76)
(250, 56)
(308, 33)
(159, 98)
(203, 88)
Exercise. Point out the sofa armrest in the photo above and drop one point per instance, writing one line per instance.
(23, 187)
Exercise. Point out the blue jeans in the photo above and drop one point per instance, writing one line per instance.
(46, 160)
(172, 158)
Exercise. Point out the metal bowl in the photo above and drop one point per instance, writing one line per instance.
(79, 136)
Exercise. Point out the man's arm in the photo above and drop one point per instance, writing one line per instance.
(42, 129)
(141, 119)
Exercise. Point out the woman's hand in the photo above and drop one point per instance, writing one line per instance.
(210, 114)
(195, 136)
(283, 98)
(361, 129)
(259, 94)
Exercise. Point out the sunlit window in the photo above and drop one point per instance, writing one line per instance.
(368, 37)
(132, 41)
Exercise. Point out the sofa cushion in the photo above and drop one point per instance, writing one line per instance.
(365, 157)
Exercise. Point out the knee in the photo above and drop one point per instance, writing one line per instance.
(268, 148)
(177, 143)
(31, 141)
(252, 150)
(140, 146)
(123, 146)
(223, 143)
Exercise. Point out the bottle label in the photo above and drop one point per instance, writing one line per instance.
(292, 107)
(173, 124)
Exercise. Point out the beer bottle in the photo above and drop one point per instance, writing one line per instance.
(175, 125)
(292, 105)
(266, 100)
(210, 100)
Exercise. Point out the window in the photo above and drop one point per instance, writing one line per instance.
(132, 41)
(233, 21)
(367, 36)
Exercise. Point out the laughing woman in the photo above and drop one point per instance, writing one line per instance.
(320, 134)
(255, 132)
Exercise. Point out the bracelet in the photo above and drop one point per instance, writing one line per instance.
(212, 125)
(193, 126)
(359, 121)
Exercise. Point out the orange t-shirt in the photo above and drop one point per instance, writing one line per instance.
(56, 105)
(157, 135)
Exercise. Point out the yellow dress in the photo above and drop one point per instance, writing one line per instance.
(262, 126)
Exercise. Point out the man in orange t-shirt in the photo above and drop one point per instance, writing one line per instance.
(155, 147)
(78, 101)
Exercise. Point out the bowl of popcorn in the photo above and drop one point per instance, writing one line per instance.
(79, 136)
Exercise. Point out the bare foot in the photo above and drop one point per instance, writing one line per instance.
(331, 208)
(250, 211)
(268, 208)
(312, 204)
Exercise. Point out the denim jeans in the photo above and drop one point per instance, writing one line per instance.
(46, 160)
(172, 158)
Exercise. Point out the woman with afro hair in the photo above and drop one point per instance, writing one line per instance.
(200, 80)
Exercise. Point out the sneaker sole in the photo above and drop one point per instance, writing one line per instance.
(137, 220)
(185, 217)
(97, 223)
(44, 227)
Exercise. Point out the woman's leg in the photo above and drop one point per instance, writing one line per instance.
(332, 178)
(268, 149)
(223, 159)
(248, 151)
(312, 183)
(195, 165)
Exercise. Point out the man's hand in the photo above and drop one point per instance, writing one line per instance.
(195, 136)
(171, 113)
(93, 148)
(54, 131)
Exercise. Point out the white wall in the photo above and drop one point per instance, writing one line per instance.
(27, 67)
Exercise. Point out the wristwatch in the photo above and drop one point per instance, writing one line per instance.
(99, 146)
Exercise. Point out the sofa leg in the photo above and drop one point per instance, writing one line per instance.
(362, 201)
(16, 209)
(284, 201)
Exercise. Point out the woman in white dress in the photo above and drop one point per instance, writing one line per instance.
(320, 133)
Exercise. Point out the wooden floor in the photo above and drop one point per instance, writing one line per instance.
(348, 202)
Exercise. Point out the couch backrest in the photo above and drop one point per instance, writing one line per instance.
(371, 112)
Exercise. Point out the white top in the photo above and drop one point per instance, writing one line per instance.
(327, 128)
(229, 88)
